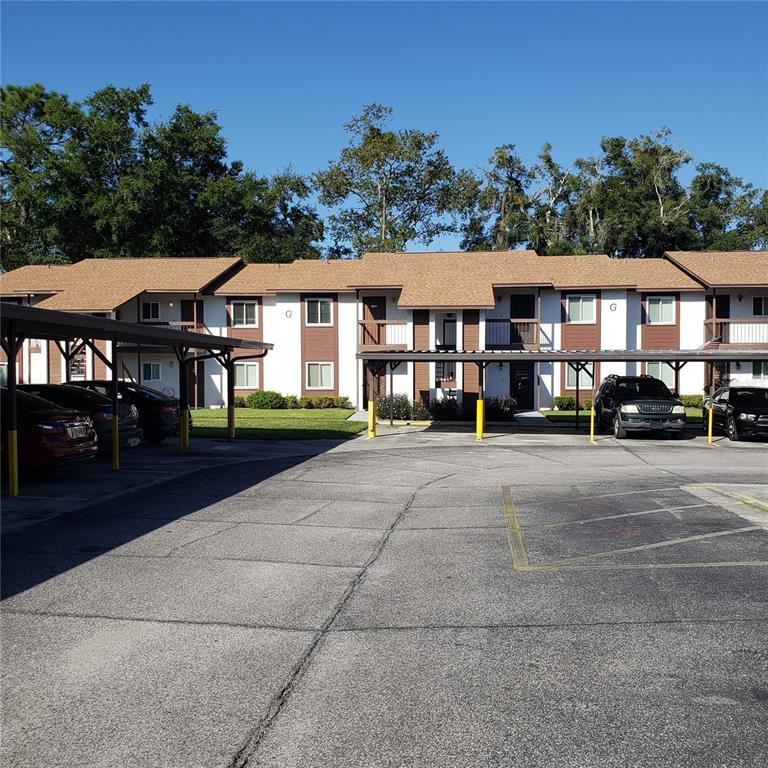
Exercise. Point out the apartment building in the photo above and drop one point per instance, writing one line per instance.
(320, 314)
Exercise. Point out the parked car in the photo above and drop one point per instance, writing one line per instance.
(98, 407)
(738, 411)
(158, 413)
(47, 433)
(638, 404)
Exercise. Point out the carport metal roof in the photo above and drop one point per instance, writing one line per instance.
(33, 322)
(720, 355)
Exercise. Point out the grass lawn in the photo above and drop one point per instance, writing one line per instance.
(294, 424)
(692, 415)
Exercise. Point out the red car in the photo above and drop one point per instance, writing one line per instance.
(47, 433)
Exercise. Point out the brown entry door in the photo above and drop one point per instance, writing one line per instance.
(374, 308)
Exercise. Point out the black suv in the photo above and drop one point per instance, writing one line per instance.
(739, 411)
(638, 404)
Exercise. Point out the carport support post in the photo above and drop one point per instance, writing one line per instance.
(480, 414)
(710, 413)
(372, 405)
(181, 354)
(13, 417)
(230, 396)
(392, 394)
(115, 411)
(592, 409)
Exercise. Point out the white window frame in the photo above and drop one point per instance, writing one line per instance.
(760, 369)
(580, 296)
(583, 386)
(151, 368)
(306, 375)
(663, 369)
(247, 365)
(764, 301)
(665, 297)
(319, 324)
(153, 314)
(254, 324)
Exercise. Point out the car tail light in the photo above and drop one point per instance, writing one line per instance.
(164, 408)
(102, 415)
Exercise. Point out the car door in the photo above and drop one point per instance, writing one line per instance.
(605, 403)
(720, 408)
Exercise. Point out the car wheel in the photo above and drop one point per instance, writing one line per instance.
(733, 432)
(618, 428)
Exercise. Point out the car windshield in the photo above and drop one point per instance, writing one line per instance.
(148, 392)
(642, 388)
(749, 398)
(72, 396)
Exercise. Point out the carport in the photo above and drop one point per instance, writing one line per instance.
(71, 332)
(578, 359)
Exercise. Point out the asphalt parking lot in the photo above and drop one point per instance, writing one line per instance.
(414, 600)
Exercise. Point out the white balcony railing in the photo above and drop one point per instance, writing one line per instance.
(746, 331)
(392, 334)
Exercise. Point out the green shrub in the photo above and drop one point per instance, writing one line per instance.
(447, 409)
(291, 401)
(587, 404)
(306, 402)
(323, 401)
(403, 409)
(692, 401)
(240, 402)
(342, 402)
(564, 403)
(266, 400)
(500, 408)
(420, 412)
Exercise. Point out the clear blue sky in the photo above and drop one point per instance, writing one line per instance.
(284, 77)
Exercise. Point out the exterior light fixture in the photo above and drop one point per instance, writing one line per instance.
(170, 304)
(740, 297)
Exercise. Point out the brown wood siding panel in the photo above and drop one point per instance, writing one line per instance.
(577, 336)
(421, 382)
(99, 368)
(471, 341)
(319, 344)
(249, 334)
(659, 336)
(54, 363)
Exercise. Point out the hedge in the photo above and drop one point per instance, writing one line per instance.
(692, 401)
(564, 403)
(402, 408)
(265, 399)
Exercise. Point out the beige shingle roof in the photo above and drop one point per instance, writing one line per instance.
(101, 285)
(739, 269)
(302, 275)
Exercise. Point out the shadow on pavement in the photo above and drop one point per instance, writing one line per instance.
(46, 549)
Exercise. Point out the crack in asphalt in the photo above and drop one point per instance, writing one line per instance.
(252, 742)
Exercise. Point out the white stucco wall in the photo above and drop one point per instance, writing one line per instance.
(549, 373)
(282, 366)
(692, 314)
(347, 330)
(613, 328)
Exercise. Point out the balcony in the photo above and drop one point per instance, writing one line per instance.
(741, 331)
(382, 335)
(512, 334)
(176, 325)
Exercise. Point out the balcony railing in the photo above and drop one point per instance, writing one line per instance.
(176, 325)
(511, 334)
(382, 334)
(746, 331)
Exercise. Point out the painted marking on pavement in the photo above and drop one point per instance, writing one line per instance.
(514, 534)
(671, 510)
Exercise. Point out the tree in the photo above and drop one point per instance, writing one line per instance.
(391, 187)
(96, 179)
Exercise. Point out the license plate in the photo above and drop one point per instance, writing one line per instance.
(78, 430)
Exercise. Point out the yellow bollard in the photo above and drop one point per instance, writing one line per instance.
(13, 462)
(371, 418)
(709, 424)
(480, 428)
(592, 424)
(115, 441)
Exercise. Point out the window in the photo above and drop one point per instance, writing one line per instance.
(245, 314)
(319, 375)
(760, 306)
(585, 378)
(246, 375)
(580, 308)
(760, 369)
(150, 310)
(150, 371)
(661, 310)
(3, 374)
(319, 312)
(662, 372)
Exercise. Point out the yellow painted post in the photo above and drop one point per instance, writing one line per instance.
(115, 441)
(480, 427)
(709, 424)
(592, 422)
(371, 418)
(13, 462)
